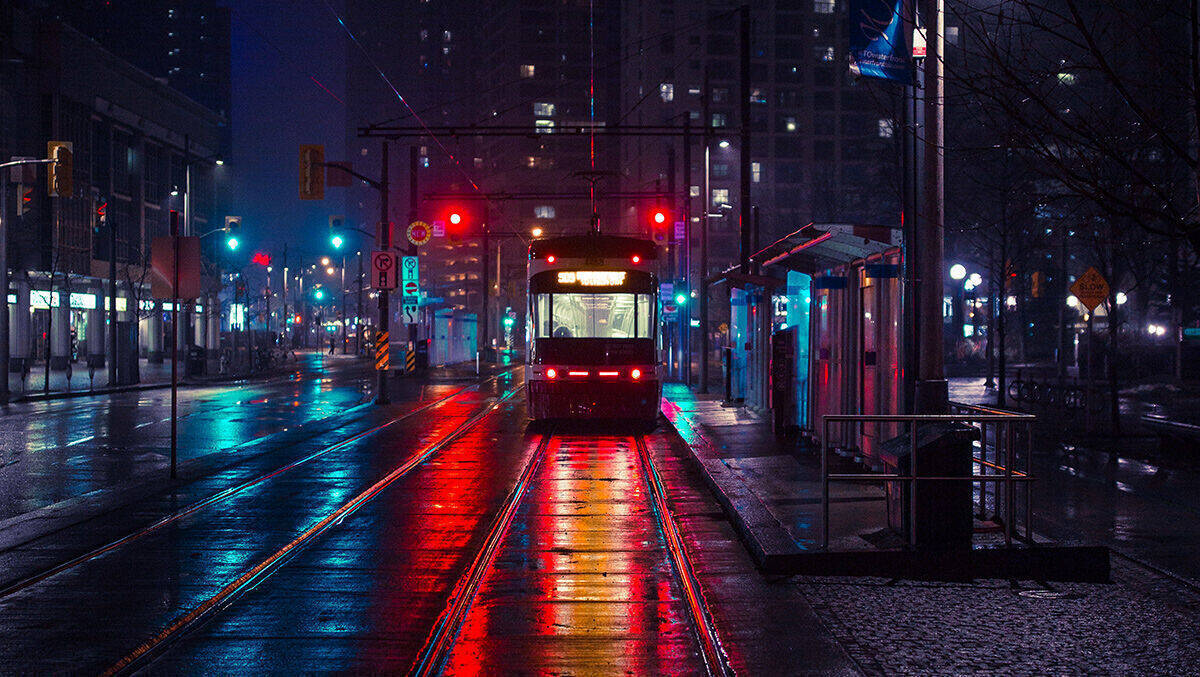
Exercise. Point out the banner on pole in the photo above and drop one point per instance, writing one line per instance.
(878, 44)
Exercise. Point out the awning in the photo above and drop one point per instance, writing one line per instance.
(819, 246)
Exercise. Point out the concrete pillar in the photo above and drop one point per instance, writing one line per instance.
(154, 347)
(95, 329)
(212, 313)
(60, 330)
(19, 337)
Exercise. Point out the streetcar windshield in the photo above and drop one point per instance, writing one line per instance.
(601, 315)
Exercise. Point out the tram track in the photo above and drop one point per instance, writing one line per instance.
(231, 492)
(145, 653)
(440, 641)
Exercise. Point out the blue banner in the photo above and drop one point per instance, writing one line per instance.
(878, 44)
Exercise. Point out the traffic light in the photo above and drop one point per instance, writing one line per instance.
(458, 221)
(233, 225)
(60, 173)
(336, 224)
(312, 172)
(508, 322)
(319, 294)
(681, 299)
(658, 222)
(24, 199)
(261, 258)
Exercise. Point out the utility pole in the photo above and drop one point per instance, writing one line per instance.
(114, 370)
(385, 243)
(413, 164)
(706, 203)
(931, 392)
(744, 115)
(358, 324)
(484, 325)
(284, 324)
(687, 246)
(174, 343)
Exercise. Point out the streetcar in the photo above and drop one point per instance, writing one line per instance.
(592, 329)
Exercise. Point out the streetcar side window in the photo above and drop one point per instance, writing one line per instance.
(645, 315)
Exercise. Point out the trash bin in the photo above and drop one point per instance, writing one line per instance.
(944, 517)
(196, 365)
(422, 354)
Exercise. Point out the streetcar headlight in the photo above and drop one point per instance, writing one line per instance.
(635, 374)
(551, 373)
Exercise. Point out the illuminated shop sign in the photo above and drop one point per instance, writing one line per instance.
(592, 278)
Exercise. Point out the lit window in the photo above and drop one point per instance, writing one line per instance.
(1066, 78)
(446, 36)
(445, 50)
(543, 126)
(756, 172)
(789, 124)
(720, 196)
(424, 35)
(718, 119)
(424, 162)
(527, 70)
(694, 91)
(756, 96)
(667, 91)
(695, 191)
(824, 6)
(952, 34)
(543, 212)
(546, 109)
(887, 128)
(827, 55)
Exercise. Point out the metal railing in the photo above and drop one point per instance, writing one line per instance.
(996, 468)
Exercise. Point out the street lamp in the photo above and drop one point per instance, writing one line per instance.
(329, 270)
(958, 271)
(537, 231)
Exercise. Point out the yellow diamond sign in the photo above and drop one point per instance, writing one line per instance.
(1091, 289)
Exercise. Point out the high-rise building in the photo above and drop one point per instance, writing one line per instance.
(823, 146)
(184, 44)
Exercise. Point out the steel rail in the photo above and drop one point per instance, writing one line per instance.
(439, 641)
(251, 578)
(222, 495)
(715, 660)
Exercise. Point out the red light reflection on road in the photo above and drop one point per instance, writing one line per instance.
(582, 582)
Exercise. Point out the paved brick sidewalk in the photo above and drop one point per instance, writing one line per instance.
(1142, 623)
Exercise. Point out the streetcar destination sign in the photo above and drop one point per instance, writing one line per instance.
(592, 278)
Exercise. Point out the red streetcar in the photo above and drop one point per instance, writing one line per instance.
(593, 329)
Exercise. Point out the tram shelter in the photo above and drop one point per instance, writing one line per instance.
(816, 328)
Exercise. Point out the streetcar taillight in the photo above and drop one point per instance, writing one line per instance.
(637, 259)
(635, 374)
(550, 259)
(551, 373)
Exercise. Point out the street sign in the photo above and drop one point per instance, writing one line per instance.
(162, 267)
(1091, 289)
(419, 232)
(383, 270)
(408, 268)
(411, 288)
(439, 228)
(408, 313)
(670, 312)
(665, 290)
(680, 232)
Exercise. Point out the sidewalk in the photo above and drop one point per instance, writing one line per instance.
(81, 381)
(1140, 621)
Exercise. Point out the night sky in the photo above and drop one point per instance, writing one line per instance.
(279, 47)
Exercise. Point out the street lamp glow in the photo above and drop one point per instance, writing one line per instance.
(1121, 298)
(220, 162)
(325, 260)
(537, 231)
(724, 143)
(329, 270)
(958, 271)
(337, 241)
(976, 279)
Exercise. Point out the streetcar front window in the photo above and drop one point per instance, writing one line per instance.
(604, 315)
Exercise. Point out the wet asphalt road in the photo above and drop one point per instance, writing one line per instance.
(58, 449)
(348, 560)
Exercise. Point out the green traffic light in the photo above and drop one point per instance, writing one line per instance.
(337, 241)
(508, 322)
(319, 294)
(680, 299)
(232, 243)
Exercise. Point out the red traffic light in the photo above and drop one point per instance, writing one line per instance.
(455, 218)
(660, 216)
(261, 259)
